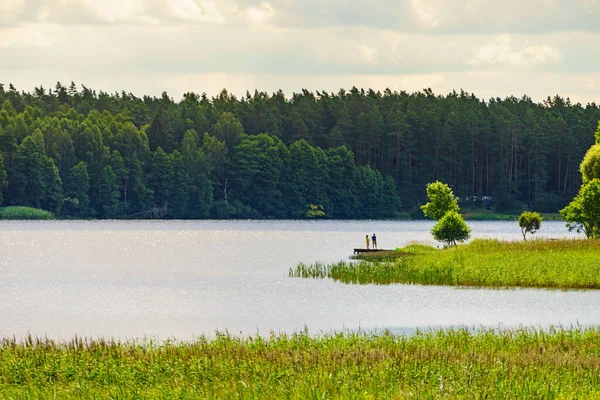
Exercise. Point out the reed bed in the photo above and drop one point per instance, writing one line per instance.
(24, 213)
(561, 264)
(443, 364)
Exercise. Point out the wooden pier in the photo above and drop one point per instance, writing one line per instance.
(360, 251)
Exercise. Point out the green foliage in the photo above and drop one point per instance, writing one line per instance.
(259, 164)
(189, 146)
(315, 211)
(583, 213)
(441, 201)
(77, 189)
(24, 213)
(590, 166)
(355, 152)
(564, 264)
(529, 222)
(369, 191)
(180, 185)
(228, 130)
(3, 181)
(107, 199)
(43, 188)
(159, 177)
(451, 228)
(308, 177)
(342, 183)
(494, 364)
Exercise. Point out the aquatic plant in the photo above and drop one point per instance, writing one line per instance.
(441, 364)
(564, 264)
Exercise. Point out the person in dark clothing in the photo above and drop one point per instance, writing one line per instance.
(374, 241)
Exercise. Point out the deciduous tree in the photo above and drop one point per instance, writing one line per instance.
(451, 228)
(529, 222)
(441, 201)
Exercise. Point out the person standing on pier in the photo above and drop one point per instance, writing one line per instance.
(367, 239)
(374, 240)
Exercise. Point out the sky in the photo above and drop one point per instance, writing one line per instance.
(492, 48)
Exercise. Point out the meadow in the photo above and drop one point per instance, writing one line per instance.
(450, 364)
(561, 264)
(24, 213)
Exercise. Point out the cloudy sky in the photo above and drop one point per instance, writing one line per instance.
(489, 47)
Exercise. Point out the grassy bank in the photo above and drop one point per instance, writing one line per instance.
(565, 264)
(454, 364)
(24, 213)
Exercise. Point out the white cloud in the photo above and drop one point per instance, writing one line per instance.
(446, 13)
(82, 12)
(11, 6)
(147, 46)
(21, 37)
(501, 51)
(592, 5)
(260, 15)
(367, 53)
(10, 9)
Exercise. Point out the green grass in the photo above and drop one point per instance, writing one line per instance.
(453, 364)
(24, 213)
(564, 264)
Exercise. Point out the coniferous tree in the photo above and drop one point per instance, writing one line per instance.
(511, 153)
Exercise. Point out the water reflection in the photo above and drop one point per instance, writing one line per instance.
(186, 278)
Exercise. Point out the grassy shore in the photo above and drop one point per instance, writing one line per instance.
(452, 364)
(24, 213)
(564, 264)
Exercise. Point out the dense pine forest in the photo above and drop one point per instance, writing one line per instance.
(83, 153)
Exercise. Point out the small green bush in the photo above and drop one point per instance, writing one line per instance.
(24, 213)
(451, 229)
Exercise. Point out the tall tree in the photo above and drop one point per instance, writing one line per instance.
(3, 181)
(77, 189)
(43, 187)
(258, 164)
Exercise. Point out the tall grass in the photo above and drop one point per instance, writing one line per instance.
(452, 364)
(24, 213)
(484, 262)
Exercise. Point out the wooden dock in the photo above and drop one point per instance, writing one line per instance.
(360, 251)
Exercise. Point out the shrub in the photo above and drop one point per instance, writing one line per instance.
(451, 228)
(23, 213)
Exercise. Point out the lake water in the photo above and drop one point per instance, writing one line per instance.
(182, 279)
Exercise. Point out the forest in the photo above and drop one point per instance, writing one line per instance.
(82, 153)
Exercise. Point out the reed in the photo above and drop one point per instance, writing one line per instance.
(563, 264)
(448, 364)
(24, 213)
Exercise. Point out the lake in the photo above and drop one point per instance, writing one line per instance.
(183, 279)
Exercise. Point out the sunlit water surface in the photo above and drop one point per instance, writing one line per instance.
(180, 279)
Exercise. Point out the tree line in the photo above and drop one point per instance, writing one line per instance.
(354, 154)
